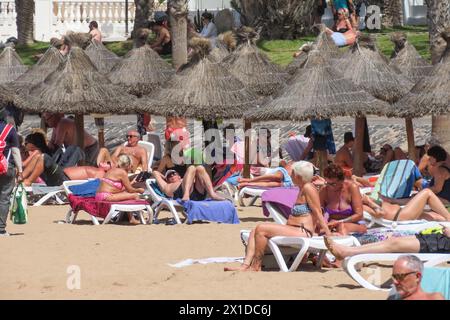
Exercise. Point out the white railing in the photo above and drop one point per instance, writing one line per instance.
(7, 19)
(415, 12)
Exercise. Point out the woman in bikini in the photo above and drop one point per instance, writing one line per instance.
(413, 210)
(115, 185)
(305, 216)
(342, 201)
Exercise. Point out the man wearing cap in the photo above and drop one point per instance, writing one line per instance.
(196, 184)
(9, 146)
(344, 157)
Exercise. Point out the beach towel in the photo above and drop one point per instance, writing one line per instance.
(210, 210)
(189, 262)
(87, 189)
(98, 209)
(396, 180)
(283, 198)
(437, 280)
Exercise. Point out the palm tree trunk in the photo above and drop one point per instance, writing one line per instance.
(142, 15)
(25, 21)
(439, 19)
(393, 13)
(178, 11)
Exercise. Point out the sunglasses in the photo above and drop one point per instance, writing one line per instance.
(170, 175)
(401, 276)
(129, 136)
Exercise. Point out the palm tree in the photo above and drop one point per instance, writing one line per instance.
(178, 11)
(393, 13)
(142, 14)
(25, 21)
(439, 19)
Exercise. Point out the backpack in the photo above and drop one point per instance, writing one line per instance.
(3, 160)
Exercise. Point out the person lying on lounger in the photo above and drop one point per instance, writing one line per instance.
(413, 210)
(342, 201)
(305, 216)
(196, 184)
(115, 185)
(274, 177)
(419, 243)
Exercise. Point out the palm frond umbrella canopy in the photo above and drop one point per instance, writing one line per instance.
(318, 91)
(431, 96)
(202, 88)
(323, 43)
(8, 98)
(77, 87)
(406, 59)
(253, 68)
(11, 66)
(225, 44)
(367, 67)
(142, 70)
(101, 57)
(48, 63)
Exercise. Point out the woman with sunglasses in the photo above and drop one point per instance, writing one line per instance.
(342, 202)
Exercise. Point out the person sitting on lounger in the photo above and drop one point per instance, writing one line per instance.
(419, 243)
(342, 201)
(273, 177)
(115, 185)
(40, 163)
(407, 276)
(137, 154)
(440, 172)
(196, 184)
(413, 210)
(306, 216)
(344, 157)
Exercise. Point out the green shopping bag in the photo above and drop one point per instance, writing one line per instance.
(18, 206)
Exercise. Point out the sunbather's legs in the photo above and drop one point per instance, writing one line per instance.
(84, 173)
(277, 177)
(123, 196)
(431, 216)
(392, 245)
(36, 171)
(188, 182)
(266, 231)
(346, 228)
(203, 182)
(260, 184)
(249, 254)
(103, 156)
(29, 169)
(414, 208)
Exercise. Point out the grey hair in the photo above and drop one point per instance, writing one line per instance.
(412, 262)
(303, 169)
(124, 161)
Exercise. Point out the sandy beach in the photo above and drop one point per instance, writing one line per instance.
(119, 261)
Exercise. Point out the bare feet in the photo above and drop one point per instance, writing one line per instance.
(216, 197)
(242, 267)
(334, 248)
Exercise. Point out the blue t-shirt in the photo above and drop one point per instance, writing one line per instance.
(339, 4)
(12, 140)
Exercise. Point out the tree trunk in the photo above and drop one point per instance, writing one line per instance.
(393, 13)
(277, 19)
(439, 19)
(178, 11)
(25, 21)
(142, 15)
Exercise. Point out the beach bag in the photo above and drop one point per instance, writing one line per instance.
(18, 208)
(3, 159)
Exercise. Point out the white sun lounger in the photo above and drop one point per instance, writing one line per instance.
(350, 264)
(115, 210)
(301, 245)
(47, 193)
(160, 203)
(255, 193)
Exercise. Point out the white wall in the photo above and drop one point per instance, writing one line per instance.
(210, 5)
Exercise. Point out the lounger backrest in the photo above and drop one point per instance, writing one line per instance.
(150, 183)
(150, 151)
(154, 139)
(396, 180)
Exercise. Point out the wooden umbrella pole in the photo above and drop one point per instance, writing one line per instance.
(100, 123)
(43, 125)
(247, 128)
(322, 158)
(79, 124)
(358, 166)
(410, 137)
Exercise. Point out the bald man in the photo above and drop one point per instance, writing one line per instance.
(138, 154)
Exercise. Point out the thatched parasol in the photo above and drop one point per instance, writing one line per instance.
(431, 96)
(11, 66)
(318, 91)
(202, 88)
(142, 70)
(48, 63)
(406, 59)
(101, 57)
(368, 68)
(225, 43)
(253, 67)
(323, 43)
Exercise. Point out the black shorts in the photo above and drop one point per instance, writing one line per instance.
(433, 243)
(197, 196)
